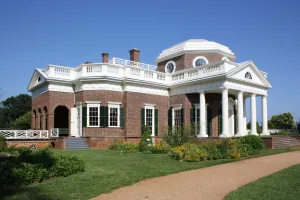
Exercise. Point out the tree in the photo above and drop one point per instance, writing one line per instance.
(270, 125)
(283, 121)
(12, 108)
(258, 127)
(298, 127)
(23, 122)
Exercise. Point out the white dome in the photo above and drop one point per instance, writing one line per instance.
(194, 45)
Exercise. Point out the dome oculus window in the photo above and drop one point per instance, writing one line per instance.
(170, 67)
(248, 75)
(199, 61)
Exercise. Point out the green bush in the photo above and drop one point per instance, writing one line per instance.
(213, 148)
(189, 152)
(178, 136)
(160, 148)
(3, 144)
(233, 148)
(36, 166)
(124, 148)
(146, 140)
(253, 144)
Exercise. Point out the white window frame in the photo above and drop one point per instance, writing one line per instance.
(114, 105)
(150, 107)
(166, 67)
(198, 57)
(89, 105)
(173, 114)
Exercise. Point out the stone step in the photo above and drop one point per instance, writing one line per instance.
(76, 143)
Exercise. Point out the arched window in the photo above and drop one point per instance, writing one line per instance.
(46, 117)
(248, 75)
(41, 119)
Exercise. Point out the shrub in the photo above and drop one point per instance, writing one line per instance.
(146, 140)
(3, 144)
(213, 148)
(252, 143)
(160, 148)
(177, 136)
(233, 149)
(36, 166)
(124, 148)
(189, 152)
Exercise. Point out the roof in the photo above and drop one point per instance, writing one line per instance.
(194, 45)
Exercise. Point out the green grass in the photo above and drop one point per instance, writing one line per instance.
(106, 171)
(283, 185)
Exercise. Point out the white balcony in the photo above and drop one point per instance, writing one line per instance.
(125, 69)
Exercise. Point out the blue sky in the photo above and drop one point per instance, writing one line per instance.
(37, 33)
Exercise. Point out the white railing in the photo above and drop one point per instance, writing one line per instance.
(54, 132)
(24, 134)
(122, 69)
(129, 63)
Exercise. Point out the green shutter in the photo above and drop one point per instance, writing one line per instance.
(220, 127)
(192, 115)
(156, 122)
(84, 114)
(142, 119)
(209, 121)
(170, 118)
(122, 117)
(182, 116)
(103, 116)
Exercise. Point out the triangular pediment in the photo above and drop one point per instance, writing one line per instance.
(248, 72)
(37, 78)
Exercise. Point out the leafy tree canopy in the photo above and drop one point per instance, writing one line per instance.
(283, 121)
(12, 108)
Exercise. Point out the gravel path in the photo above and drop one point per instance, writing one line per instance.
(206, 183)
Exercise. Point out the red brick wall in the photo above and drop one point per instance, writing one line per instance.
(179, 61)
(136, 101)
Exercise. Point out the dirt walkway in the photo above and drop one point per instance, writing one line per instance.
(206, 183)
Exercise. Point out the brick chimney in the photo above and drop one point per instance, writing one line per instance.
(105, 57)
(135, 55)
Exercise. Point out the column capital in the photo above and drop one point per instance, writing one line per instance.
(253, 95)
(223, 88)
(241, 91)
(201, 91)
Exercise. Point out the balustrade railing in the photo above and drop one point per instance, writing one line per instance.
(24, 134)
(129, 63)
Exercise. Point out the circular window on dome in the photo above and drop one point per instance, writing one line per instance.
(170, 67)
(199, 61)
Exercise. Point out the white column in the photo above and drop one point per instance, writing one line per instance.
(245, 118)
(241, 127)
(253, 115)
(224, 112)
(264, 108)
(202, 116)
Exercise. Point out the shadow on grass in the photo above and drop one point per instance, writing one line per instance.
(24, 193)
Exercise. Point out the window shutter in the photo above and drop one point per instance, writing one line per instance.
(209, 121)
(156, 122)
(170, 118)
(220, 127)
(122, 117)
(103, 116)
(142, 119)
(182, 116)
(192, 115)
(84, 116)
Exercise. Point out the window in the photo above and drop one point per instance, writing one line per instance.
(199, 61)
(149, 118)
(114, 114)
(93, 115)
(248, 75)
(170, 67)
(177, 117)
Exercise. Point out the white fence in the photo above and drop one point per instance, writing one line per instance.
(29, 134)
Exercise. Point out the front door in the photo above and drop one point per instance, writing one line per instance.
(74, 124)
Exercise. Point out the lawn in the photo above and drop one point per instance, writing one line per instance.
(106, 171)
(283, 185)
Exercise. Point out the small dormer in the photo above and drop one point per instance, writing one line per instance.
(192, 53)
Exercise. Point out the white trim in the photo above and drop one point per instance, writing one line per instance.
(199, 57)
(176, 106)
(225, 58)
(149, 107)
(170, 62)
(114, 105)
(173, 117)
(97, 105)
(93, 102)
